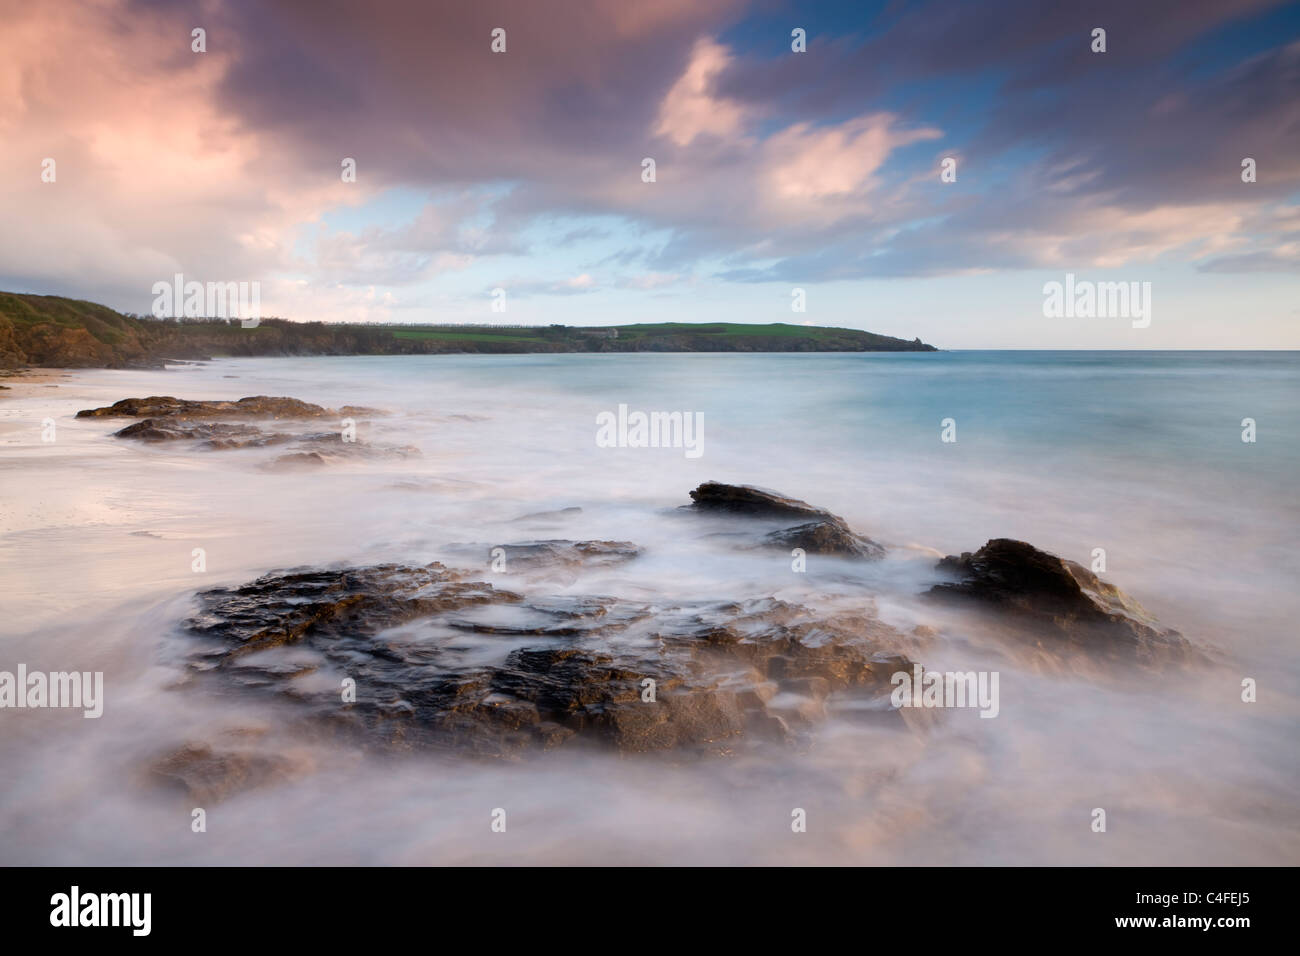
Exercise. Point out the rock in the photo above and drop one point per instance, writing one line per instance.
(209, 776)
(315, 450)
(298, 461)
(570, 512)
(256, 406)
(434, 485)
(322, 449)
(165, 418)
(537, 555)
(280, 608)
(1060, 605)
(755, 502)
(444, 662)
(830, 536)
(333, 442)
(825, 534)
(215, 435)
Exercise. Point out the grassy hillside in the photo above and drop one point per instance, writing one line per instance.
(49, 330)
(41, 330)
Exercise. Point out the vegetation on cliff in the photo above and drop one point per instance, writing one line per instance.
(50, 331)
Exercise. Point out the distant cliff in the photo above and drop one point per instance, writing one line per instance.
(49, 331)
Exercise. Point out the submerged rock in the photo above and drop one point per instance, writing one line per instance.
(216, 435)
(209, 775)
(298, 461)
(556, 553)
(570, 512)
(315, 451)
(1059, 604)
(831, 536)
(444, 662)
(825, 534)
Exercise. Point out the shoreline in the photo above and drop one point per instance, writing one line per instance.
(20, 383)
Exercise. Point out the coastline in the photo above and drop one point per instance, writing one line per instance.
(21, 383)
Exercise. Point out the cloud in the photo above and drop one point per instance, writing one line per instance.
(446, 235)
(772, 166)
(810, 173)
(523, 287)
(692, 107)
(650, 280)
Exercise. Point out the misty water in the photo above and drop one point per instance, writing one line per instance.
(1140, 454)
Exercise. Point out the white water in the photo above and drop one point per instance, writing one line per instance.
(1139, 455)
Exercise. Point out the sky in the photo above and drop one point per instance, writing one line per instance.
(775, 170)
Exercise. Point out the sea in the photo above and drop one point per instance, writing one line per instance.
(1178, 470)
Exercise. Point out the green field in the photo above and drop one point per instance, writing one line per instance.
(478, 335)
(723, 328)
(56, 331)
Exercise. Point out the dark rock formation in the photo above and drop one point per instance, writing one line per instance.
(825, 534)
(444, 662)
(830, 536)
(1060, 605)
(751, 501)
(255, 406)
(175, 421)
(214, 435)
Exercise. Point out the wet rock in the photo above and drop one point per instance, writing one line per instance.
(214, 435)
(559, 513)
(334, 443)
(281, 608)
(209, 775)
(315, 451)
(444, 662)
(831, 536)
(256, 406)
(751, 501)
(299, 461)
(434, 485)
(557, 553)
(1058, 604)
(825, 534)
